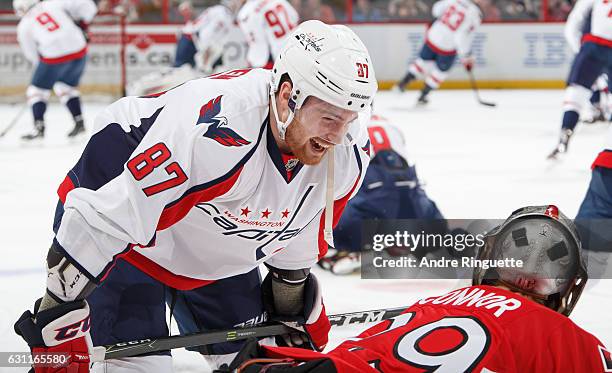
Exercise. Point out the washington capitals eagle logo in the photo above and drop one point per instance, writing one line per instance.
(218, 129)
(366, 148)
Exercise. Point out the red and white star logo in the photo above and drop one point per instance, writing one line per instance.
(245, 211)
(285, 213)
(265, 214)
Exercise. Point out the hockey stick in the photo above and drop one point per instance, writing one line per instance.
(14, 121)
(476, 93)
(138, 347)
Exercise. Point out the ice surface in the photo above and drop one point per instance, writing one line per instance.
(477, 162)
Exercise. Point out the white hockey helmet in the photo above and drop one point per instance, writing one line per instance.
(329, 62)
(21, 7)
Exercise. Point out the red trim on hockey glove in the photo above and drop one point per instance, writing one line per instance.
(438, 50)
(66, 58)
(319, 330)
(163, 275)
(604, 159)
(597, 40)
(66, 186)
(76, 361)
(176, 212)
(339, 206)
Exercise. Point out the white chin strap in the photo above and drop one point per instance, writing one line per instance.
(328, 232)
(282, 126)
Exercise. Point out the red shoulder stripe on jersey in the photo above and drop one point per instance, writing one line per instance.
(161, 274)
(66, 186)
(604, 159)
(66, 58)
(339, 206)
(597, 40)
(439, 50)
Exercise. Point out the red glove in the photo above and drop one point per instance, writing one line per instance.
(59, 338)
(468, 63)
(317, 324)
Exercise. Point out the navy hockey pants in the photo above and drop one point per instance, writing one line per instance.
(46, 75)
(444, 62)
(594, 217)
(591, 61)
(130, 305)
(185, 52)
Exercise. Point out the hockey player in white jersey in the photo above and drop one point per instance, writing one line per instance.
(266, 24)
(589, 32)
(212, 42)
(52, 37)
(451, 35)
(204, 182)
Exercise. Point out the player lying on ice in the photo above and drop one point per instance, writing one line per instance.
(198, 186)
(509, 320)
(390, 190)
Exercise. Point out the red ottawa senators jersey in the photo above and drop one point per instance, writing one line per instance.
(480, 329)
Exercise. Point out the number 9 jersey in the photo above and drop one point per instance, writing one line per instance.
(475, 329)
(48, 31)
(266, 24)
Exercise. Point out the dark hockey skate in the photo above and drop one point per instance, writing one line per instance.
(561, 147)
(37, 134)
(78, 129)
(423, 100)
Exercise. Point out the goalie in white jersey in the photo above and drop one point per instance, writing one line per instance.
(451, 35)
(211, 43)
(52, 36)
(589, 33)
(266, 24)
(204, 182)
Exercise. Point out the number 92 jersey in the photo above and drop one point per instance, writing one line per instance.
(480, 329)
(266, 24)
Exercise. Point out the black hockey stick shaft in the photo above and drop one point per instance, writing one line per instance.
(15, 120)
(476, 92)
(138, 347)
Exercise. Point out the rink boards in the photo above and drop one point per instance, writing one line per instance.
(515, 55)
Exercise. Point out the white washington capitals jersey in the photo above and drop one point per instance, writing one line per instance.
(266, 24)
(190, 186)
(590, 20)
(453, 30)
(48, 30)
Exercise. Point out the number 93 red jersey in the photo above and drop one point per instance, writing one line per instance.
(475, 329)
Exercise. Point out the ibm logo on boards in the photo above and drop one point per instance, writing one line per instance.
(546, 50)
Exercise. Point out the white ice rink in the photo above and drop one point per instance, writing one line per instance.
(476, 162)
